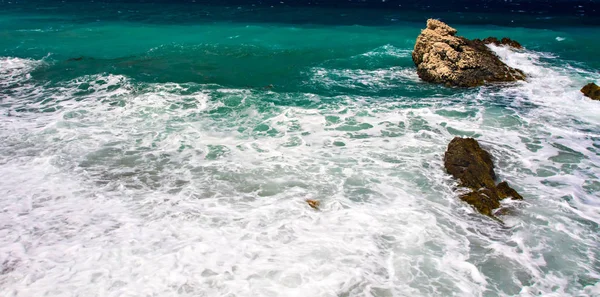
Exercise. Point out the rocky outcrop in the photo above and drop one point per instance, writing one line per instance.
(592, 91)
(503, 41)
(472, 166)
(442, 57)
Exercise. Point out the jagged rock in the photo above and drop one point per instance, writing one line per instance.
(592, 91)
(503, 41)
(442, 57)
(466, 161)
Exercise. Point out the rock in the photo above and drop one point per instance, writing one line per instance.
(313, 203)
(472, 166)
(76, 59)
(592, 91)
(505, 191)
(484, 200)
(442, 57)
(503, 41)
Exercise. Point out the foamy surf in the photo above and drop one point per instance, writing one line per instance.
(15, 71)
(117, 187)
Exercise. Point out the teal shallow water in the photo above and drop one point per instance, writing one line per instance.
(151, 154)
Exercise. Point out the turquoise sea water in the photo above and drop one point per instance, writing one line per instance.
(167, 149)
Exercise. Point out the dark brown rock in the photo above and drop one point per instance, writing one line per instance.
(472, 166)
(484, 200)
(592, 91)
(441, 57)
(505, 191)
(503, 41)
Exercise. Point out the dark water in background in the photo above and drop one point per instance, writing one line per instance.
(165, 149)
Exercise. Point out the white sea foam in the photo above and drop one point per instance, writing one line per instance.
(359, 78)
(389, 50)
(14, 67)
(16, 71)
(135, 189)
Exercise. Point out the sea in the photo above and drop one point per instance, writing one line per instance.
(167, 148)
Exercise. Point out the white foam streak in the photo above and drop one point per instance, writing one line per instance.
(389, 50)
(359, 78)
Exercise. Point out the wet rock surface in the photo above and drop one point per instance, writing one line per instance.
(592, 91)
(444, 58)
(503, 41)
(472, 166)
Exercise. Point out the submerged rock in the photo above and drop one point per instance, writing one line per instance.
(466, 161)
(592, 91)
(442, 57)
(80, 58)
(313, 203)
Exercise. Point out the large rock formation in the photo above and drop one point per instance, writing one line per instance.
(466, 161)
(592, 91)
(442, 57)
